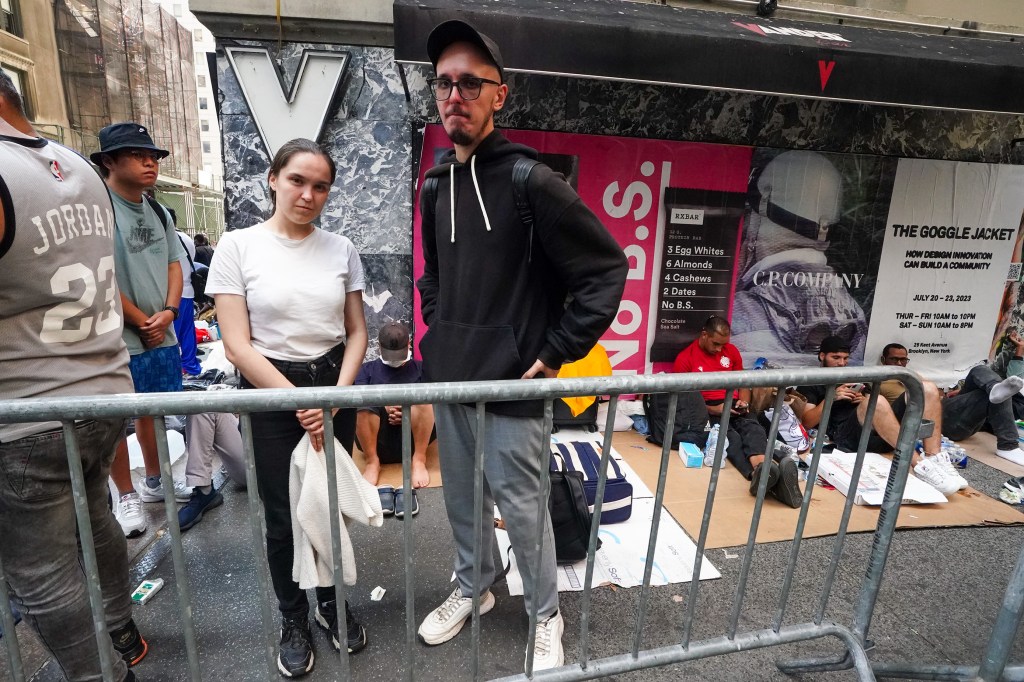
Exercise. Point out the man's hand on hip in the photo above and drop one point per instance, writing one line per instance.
(539, 369)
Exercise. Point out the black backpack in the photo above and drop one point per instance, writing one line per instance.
(691, 416)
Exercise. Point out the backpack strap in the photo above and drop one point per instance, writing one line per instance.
(430, 192)
(159, 210)
(520, 177)
(190, 263)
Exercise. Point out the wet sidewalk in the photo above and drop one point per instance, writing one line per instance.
(938, 601)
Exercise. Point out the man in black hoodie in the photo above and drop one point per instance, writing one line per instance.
(494, 296)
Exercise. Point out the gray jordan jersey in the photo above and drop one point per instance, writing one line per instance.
(60, 311)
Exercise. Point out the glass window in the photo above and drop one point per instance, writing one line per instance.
(9, 17)
(177, 10)
(201, 80)
(19, 78)
(203, 103)
(197, 34)
(206, 147)
(204, 126)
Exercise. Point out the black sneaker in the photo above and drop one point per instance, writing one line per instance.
(327, 619)
(773, 476)
(296, 656)
(129, 643)
(1015, 485)
(787, 489)
(197, 505)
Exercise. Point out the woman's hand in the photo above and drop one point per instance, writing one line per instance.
(313, 422)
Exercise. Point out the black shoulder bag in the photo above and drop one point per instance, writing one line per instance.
(570, 516)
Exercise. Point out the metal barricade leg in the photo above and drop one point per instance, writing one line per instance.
(177, 555)
(478, 533)
(92, 571)
(408, 546)
(330, 454)
(10, 637)
(259, 543)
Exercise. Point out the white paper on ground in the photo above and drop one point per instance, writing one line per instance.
(176, 448)
(622, 557)
(837, 468)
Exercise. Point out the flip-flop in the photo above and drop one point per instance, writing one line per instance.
(387, 499)
(400, 503)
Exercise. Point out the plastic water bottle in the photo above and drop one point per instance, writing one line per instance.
(709, 449)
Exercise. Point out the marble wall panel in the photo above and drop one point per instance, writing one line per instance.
(370, 136)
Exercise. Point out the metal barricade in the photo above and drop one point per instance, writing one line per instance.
(852, 635)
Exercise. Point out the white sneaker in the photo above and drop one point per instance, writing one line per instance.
(930, 471)
(128, 512)
(548, 652)
(943, 460)
(182, 492)
(447, 620)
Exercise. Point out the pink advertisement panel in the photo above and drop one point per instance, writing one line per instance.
(675, 207)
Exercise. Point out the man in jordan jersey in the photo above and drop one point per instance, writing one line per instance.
(60, 335)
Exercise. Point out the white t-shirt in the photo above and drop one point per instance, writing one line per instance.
(294, 289)
(186, 270)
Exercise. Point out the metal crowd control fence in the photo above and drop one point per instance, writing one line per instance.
(852, 635)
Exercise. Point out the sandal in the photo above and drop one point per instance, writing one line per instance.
(387, 499)
(400, 503)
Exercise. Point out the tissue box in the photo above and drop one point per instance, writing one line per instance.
(691, 455)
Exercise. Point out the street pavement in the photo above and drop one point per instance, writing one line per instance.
(937, 604)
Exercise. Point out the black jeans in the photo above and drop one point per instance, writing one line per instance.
(964, 414)
(274, 436)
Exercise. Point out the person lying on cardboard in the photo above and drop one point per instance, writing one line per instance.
(712, 352)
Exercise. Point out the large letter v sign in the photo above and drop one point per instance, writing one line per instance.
(303, 111)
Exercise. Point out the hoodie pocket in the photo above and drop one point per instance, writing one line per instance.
(466, 352)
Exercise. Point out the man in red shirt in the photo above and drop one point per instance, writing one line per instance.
(712, 352)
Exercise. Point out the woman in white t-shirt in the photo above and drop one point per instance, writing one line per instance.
(289, 304)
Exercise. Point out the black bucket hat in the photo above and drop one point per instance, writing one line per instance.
(117, 136)
(455, 31)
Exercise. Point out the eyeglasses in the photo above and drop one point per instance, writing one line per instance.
(143, 155)
(897, 361)
(469, 87)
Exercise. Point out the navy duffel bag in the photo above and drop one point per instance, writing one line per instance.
(583, 457)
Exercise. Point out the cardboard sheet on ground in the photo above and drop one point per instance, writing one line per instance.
(622, 558)
(982, 447)
(686, 489)
(837, 468)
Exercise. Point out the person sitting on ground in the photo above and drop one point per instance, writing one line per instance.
(1008, 362)
(712, 352)
(205, 434)
(850, 410)
(379, 428)
(983, 399)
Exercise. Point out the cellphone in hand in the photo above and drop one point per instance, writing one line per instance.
(857, 388)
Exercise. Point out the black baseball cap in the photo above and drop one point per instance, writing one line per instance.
(834, 344)
(455, 31)
(117, 136)
(394, 342)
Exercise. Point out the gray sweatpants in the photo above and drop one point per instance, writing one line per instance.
(208, 433)
(512, 460)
